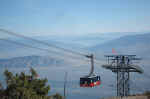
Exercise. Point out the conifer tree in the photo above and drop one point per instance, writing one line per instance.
(26, 86)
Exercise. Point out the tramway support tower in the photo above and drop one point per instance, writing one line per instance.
(122, 65)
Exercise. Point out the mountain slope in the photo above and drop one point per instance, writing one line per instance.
(133, 44)
(30, 61)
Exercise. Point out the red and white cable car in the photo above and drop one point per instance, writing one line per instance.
(90, 80)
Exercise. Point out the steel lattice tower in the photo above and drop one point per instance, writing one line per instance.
(122, 65)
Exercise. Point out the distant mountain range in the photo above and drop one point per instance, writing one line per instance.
(132, 44)
(30, 61)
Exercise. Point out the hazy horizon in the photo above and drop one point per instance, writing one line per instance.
(69, 17)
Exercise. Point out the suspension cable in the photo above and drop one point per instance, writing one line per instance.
(38, 41)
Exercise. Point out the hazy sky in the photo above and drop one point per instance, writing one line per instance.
(42, 17)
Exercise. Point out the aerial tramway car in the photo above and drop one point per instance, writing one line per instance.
(90, 80)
